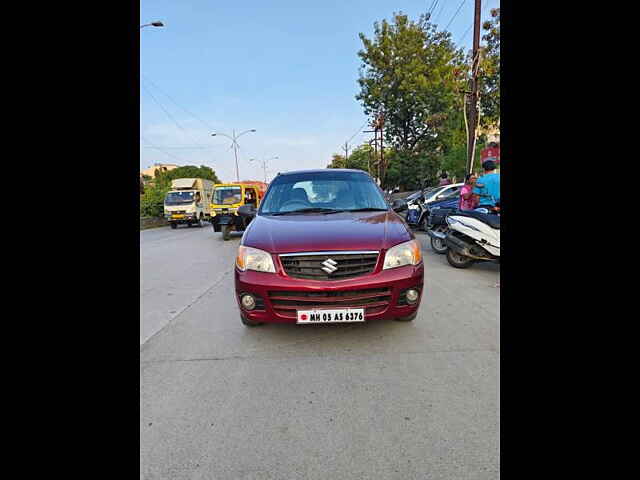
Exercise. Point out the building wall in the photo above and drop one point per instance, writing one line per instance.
(165, 167)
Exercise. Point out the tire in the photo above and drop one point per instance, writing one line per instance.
(248, 323)
(174, 225)
(226, 232)
(407, 319)
(439, 246)
(458, 261)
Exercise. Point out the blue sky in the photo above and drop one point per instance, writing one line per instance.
(287, 68)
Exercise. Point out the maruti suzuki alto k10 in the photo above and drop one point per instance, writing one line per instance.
(325, 247)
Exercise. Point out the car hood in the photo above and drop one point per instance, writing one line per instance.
(327, 232)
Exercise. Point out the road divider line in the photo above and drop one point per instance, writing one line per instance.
(186, 307)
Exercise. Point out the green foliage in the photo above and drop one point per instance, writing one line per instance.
(360, 158)
(337, 161)
(408, 76)
(152, 202)
(490, 72)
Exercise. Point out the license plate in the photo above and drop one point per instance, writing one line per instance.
(331, 316)
(177, 216)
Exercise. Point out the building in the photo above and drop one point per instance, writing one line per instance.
(163, 167)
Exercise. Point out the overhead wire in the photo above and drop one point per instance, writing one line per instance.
(433, 9)
(455, 15)
(209, 127)
(440, 12)
(357, 131)
(162, 150)
(171, 117)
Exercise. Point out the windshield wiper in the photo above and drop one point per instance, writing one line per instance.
(368, 209)
(310, 210)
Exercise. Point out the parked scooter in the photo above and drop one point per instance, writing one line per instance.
(416, 212)
(472, 237)
(436, 223)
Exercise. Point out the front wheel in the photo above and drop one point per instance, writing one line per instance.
(226, 232)
(248, 323)
(174, 225)
(438, 245)
(458, 261)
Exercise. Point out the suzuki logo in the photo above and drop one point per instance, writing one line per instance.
(329, 266)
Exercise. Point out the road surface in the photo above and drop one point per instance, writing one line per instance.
(389, 400)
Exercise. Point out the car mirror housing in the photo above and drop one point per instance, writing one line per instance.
(399, 205)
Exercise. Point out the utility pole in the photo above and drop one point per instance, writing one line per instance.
(473, 103)
(346, 153)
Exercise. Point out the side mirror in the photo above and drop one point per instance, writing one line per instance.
(247, 211)
(399, 205)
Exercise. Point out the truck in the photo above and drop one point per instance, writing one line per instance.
(227, 198)
(188, 202)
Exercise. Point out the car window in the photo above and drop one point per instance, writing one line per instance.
(452, 192)
(332, 190)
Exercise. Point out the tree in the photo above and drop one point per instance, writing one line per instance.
(361, 158)
(407, 75)
(337, 161)
(490, 72)
(152, 202)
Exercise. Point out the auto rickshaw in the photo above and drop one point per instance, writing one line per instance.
(225, 201)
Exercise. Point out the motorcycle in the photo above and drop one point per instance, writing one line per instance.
(471, 237)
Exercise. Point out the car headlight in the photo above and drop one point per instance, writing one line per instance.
(407, 253)
(250, 258)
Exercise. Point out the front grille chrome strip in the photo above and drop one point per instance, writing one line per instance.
(348, 252)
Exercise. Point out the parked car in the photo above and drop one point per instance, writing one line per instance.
(443, 193)
(325, 247)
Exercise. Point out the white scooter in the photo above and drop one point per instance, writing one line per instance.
(472, 237)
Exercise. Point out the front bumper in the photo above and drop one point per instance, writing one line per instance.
(181, 218)
(280, 296)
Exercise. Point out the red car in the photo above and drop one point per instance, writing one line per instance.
(325, 247)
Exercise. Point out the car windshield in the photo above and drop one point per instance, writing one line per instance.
(226, 195)
(178, 198)
(322, 192)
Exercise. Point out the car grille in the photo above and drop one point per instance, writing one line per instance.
(373, 300)
(347, 265)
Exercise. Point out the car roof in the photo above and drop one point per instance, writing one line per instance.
(324, 170)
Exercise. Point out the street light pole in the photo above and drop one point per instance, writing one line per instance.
(235, 146)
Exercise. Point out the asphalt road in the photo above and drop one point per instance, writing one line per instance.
(388, 400)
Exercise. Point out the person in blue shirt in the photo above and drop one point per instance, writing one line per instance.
(488, 186)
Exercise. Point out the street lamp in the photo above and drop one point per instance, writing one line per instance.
(152, 24)
(264, 165)
(235, 146)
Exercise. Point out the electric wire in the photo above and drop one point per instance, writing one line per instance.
(440, 12)
(166, 112)
(162, 150)
(435, 5)
(455, 15)
(147, 79)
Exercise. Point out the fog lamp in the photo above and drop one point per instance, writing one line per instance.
(248, 302)
(412, 295)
